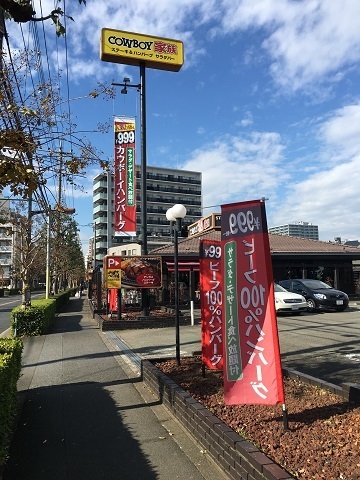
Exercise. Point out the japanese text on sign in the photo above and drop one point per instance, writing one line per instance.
(211, 304)
(125, 197)
(233, 352)
(249, 307)
(133, 48)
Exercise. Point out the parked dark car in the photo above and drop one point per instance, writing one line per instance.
(319, 295)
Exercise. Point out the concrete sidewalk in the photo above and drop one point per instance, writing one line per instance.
(86, 415)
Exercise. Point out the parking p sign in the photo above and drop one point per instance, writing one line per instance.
(112, 272)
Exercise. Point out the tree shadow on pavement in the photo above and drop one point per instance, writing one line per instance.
(76, 432)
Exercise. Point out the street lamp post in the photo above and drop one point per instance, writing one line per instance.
(176, 214)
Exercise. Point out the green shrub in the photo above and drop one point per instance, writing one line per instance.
(10, 366)
(37, 319)
(34, 320)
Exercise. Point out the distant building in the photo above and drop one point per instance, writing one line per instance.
(352, 243)
(298, 229)
(7, 239)
(165, 187)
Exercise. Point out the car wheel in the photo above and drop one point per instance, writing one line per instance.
(311, 305)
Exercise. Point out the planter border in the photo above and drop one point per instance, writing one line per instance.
(239, 458)
(140, 322)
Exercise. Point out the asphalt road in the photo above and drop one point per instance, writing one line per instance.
(325, 345)
(9, 303)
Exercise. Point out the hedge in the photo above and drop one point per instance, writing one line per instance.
(10, 366)
(37, 319)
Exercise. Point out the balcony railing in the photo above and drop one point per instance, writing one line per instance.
(170, 178)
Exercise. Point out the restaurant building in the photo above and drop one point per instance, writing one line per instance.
(291, 257)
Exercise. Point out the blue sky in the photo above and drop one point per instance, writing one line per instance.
(267, 103)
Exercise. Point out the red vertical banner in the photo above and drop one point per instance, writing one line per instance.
(113, 299)
(211, 304)
(124, 178)
(252, 367)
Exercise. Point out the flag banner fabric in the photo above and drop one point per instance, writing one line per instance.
(252, 366)
(113, 299)
(211, 304)
(124, 178)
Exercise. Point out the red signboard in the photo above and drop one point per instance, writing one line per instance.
(252, 369)
(124, 178)
(211, 304)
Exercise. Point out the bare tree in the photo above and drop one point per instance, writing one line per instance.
(22, 11)
(29, 126)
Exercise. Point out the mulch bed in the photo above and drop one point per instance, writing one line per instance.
(323, 440)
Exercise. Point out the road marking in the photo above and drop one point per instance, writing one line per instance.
(5, 333)
(353, 356)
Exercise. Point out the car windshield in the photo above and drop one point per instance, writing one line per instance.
(315, 284)
(279, 288)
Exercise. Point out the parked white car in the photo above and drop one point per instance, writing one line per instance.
(288, 302)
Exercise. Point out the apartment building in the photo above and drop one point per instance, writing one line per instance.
(6, 243)
(165, 187)
(298, 229)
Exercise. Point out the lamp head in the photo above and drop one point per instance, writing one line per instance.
(124, 91)
(169, 215)
(178, 210)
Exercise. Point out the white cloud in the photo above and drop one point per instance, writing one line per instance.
(342, 131)
(238, 168)
(329, 196)
(247, 120)
(306, 40)
(329, 199)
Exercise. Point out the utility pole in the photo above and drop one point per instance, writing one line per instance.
(26, 295)
(2, 31)
(60, 176)
(57, 231)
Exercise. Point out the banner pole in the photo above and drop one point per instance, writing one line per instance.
(119, 303)
(285, 417)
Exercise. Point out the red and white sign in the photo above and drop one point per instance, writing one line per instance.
(125, 178)
(211, 304)
(113, 299)
(113, 262)
(252, 368)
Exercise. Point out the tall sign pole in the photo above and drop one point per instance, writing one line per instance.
(144, 247)
(131, 48)
(145, 307)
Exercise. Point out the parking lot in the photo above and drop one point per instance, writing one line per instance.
(324, 344)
